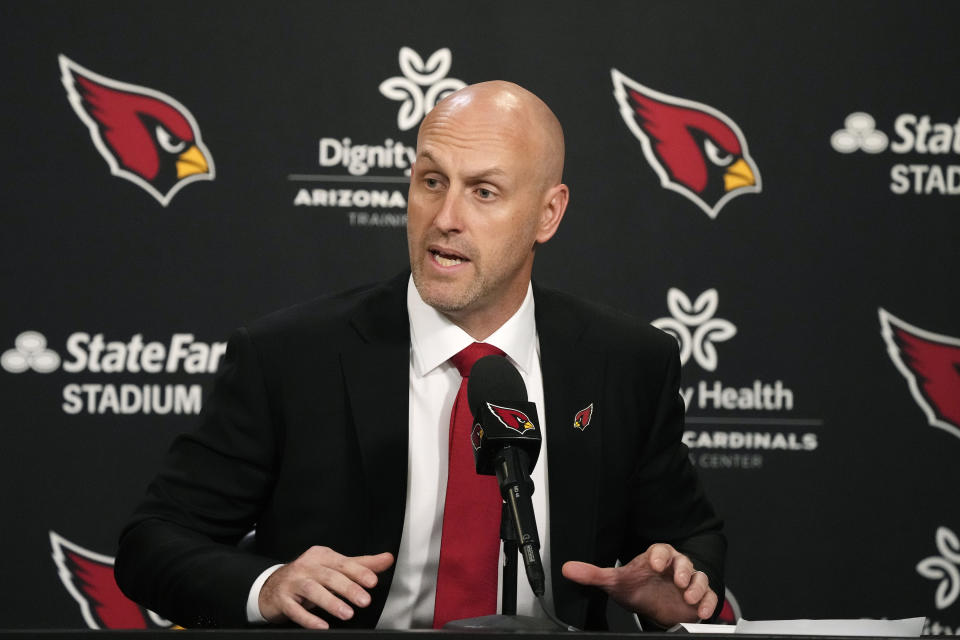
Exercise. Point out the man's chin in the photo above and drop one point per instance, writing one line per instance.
(444, 297)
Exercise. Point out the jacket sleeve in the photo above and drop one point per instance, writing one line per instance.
(669, 503)
(178, 554)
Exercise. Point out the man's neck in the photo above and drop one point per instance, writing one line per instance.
(480, 324)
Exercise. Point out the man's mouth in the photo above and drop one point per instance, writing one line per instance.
(447, 259)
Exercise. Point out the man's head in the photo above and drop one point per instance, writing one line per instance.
(485, 190)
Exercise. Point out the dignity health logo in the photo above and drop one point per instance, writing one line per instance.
(368, 182)
(422, 85)
(694, 326)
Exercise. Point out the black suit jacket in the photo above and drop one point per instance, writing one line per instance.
(305, 438)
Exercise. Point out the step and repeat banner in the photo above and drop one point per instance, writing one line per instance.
(774, 183)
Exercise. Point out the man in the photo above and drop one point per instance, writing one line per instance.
(305, 435)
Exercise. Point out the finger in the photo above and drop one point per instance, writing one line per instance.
(683, 570)
(377, 563)
(355, 568)
(660, 556)
(343, 585)
(319, 595)
(296, 613)
(588, 574)
(697, 589)
(708, 605)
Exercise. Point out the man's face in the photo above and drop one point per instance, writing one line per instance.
(473, 213)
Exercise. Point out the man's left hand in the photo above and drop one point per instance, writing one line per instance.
(661, 584)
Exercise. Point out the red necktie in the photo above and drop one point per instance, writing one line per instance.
(470, 544)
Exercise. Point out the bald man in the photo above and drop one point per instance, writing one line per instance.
(299, 438)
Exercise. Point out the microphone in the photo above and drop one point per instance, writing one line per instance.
(506, 443)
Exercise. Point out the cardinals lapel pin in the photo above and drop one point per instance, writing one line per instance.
(582, 419)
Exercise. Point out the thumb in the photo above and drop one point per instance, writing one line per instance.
(586, 573)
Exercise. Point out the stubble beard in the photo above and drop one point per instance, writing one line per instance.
(447, 298)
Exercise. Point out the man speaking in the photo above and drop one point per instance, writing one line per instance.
(334, 428)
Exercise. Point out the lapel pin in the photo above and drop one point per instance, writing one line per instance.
(582, 419)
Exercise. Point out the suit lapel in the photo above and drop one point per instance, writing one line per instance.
(376, 376)
(572, 380)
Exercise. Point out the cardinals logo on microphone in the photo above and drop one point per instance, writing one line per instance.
(930, 362)
(511, 418)
(145, 136)
(695, 149)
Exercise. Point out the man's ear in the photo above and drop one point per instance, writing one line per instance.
(551, 212)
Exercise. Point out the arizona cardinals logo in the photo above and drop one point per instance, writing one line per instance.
(476, 436)
(696, 150)
(511, 418)
(931, 364)
(582, 419)
(145, 136)
(88, 576)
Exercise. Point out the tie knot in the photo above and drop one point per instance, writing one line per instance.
(465, 360)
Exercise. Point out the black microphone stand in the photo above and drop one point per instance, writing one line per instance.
(507, 619)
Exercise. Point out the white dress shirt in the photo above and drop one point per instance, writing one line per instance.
(434, 383)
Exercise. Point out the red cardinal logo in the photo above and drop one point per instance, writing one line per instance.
(145, 136)
(476, 437)
(931, 364)
(582, 419)
(88, 576)
(696, 150)
(511, 418)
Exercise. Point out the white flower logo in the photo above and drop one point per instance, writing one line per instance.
(699, 317)
(421, 86)
(944, 567)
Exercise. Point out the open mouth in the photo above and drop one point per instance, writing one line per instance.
(447, 259)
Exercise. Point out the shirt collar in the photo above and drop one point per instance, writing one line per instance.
(434, 339)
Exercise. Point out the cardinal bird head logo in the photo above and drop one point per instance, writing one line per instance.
(930, 362)
(511, 418)
(145, 136)
(696, 150)
(582, 419)
(88, 577)
(476, 437)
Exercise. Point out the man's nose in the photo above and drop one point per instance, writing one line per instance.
(450, 216)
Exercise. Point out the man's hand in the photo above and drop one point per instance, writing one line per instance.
(660, 584)
(320, 577)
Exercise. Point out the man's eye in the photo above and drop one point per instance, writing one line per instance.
(485, 193)
(432, 183)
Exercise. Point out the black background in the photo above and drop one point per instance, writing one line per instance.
(801, 268)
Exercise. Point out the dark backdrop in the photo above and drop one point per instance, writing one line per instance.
(816, 435)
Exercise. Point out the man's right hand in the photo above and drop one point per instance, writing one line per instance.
(320, 577)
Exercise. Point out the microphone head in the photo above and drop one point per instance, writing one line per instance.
(502, 416)
(493, 378)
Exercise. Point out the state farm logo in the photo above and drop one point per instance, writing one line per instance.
(422, 85)
(695, 149)
(945, 570)
(30, 352)
(146, 136)
(369, 181)
(134, 358)
(730, 426)
(698, 317)
(88, 578)
(859, 134)
(913, 135)
(930, 363)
